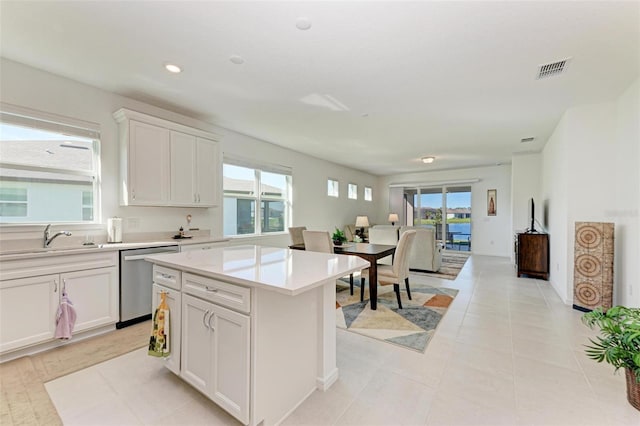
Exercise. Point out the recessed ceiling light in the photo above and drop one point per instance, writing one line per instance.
(173, 68)
(428, 160)
(303, 23)
(236, 59)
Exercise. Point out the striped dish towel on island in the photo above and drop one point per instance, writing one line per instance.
(159, 340)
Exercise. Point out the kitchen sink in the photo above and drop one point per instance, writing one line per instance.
(50, 250)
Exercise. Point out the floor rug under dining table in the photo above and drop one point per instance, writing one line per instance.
(411, 327)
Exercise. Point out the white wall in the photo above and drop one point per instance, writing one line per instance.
(526, 181)
(32, 88)
(555, 201)
(590, 167)
(491, 235)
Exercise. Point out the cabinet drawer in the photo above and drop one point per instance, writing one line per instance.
(167, 277)
(222, 293)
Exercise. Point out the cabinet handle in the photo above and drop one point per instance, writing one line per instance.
(209, 322)
(211, 290)
(204, 319)
(64, 285)
(55, 286)
(133, 193)
(195, 198)
(167, 276)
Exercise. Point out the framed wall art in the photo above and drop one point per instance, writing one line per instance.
(492, 202)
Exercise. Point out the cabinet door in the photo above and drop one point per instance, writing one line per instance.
(196, 342)
(230, 375)
(148, 164)
(28, 309)
(183, 170)
(94, 294)
(208, 170)
(174, 301)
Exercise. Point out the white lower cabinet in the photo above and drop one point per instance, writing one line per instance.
(215, 354)
(174, 301)
(94, 294)
(29, 297)
(27, 311)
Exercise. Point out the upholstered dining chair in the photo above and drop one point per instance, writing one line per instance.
(296, 234)
(398, 271)
(321, 241)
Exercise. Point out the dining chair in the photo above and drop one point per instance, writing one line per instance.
(320, 241)
(296, 234)
(398, 271)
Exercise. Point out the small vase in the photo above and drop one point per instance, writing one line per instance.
(337, 242)
(633, 389)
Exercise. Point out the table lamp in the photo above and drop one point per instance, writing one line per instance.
(362, 222)
(393, 218)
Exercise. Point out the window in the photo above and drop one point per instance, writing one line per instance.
(48, 170)
(87, 205)
(13, 202)
(368, 194)
(332, 188)
(352, 192)
(241, 196)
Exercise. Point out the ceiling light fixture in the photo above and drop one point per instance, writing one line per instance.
(428, 160)
(173, 68)
(303, 24)
(236, 59)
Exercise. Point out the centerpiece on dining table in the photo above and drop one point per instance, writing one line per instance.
(338, 237)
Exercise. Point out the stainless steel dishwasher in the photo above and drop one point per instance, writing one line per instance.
(136, 284)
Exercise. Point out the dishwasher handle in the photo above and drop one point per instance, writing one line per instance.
(142, 256)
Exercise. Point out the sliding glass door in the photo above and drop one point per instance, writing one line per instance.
(446, 209)
(458, 217)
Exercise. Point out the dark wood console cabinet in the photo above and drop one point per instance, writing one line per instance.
(532, 255)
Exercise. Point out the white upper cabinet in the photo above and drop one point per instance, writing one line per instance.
(163, 163)
(148, 165)
(194, 170)
(208, 169)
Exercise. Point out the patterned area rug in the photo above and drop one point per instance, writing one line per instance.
(411, 327)
(452, 263)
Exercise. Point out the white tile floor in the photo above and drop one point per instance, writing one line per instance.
(508, 352)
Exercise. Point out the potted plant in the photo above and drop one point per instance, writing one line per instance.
(618, 344)
(338, 237)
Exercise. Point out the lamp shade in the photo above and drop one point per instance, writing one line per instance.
(393, 218)
(362, 221)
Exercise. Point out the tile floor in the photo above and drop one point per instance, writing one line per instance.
(508, 352)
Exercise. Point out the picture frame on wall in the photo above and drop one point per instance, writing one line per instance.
(492, 202)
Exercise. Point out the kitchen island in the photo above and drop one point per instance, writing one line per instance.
(252, 327)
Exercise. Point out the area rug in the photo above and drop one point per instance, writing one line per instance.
(24, 399)
(411, 327)
(452, 263)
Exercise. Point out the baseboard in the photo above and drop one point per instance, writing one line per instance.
(324, 383)
(51, 344)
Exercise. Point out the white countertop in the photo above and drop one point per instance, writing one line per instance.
(79, 249)
(283, 270)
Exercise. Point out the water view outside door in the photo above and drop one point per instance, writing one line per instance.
(445, 209)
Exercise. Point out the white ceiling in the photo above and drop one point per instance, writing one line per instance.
(455, 80)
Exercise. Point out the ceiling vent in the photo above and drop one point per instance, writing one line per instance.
(553, 68)
(525, 140)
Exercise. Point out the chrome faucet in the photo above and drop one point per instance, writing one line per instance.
(48, 238)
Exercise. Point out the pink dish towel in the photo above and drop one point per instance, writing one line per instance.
(65, 318)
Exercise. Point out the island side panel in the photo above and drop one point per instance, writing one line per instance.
(285, 352)
(327, 370)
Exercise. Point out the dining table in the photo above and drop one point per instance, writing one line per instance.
(369, 252)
